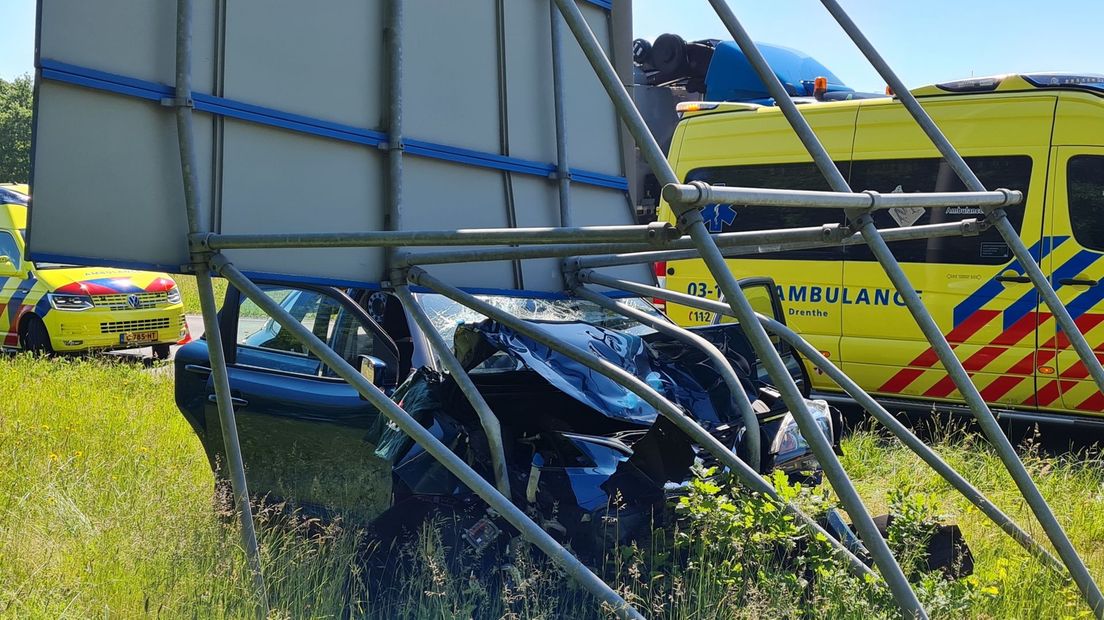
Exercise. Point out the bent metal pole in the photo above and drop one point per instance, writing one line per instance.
(865, 223)
(455, 369)
(690, 221)
(867, 402)
(973, 183)
(630, 382)
(182, 100)
(424, 438)
(720, 363)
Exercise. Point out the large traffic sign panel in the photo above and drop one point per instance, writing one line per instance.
(291, 100)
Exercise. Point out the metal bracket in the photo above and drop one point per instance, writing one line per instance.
(398, 145)
(178, 102)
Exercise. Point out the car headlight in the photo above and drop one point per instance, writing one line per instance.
(61, 301)
(789, 443)
(174, 295)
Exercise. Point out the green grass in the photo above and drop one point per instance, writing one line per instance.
(107, 510)
(190, 294)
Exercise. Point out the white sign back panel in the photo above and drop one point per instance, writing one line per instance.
(291, 100)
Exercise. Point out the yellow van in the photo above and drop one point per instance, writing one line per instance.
(50, 307)
(1042, 134)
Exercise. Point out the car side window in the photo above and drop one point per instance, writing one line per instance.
(314, 310)
(262, 342)
(1085, 179)
(9, 248)
(934, 175)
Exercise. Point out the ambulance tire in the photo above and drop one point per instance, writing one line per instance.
(33, 336)
(161, 351)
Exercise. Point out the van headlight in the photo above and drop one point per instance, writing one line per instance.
(61, 301)
(174, 296)
(788, 444)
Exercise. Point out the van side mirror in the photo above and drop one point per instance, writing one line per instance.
(377, 373)
(8, 267)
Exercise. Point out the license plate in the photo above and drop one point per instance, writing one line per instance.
(137, 337)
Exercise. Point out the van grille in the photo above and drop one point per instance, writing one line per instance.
(118, 327)
(121, 301)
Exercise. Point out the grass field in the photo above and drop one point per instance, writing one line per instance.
(190, 294)
(107, 510)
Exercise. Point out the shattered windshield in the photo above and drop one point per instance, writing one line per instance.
(446, 314)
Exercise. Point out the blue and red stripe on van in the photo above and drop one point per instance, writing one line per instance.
(1019, 320)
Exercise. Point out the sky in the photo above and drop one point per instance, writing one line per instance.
(925, 41)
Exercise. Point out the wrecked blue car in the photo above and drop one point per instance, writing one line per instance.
(582, 452)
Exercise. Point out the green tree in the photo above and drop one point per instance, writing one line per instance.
(15, 129)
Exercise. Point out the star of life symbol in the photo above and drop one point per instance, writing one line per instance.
(718, 216)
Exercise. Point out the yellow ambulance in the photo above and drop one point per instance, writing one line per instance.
(48, 307)
(1042, 134)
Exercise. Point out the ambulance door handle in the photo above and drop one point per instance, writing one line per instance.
(1020, 279)
(1077, 282)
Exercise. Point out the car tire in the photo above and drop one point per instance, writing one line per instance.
(33, 336)
(161, 351)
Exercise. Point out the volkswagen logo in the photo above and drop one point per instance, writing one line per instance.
(134, 301)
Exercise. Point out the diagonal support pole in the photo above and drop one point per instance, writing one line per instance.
(690, 221)
(630, 382)
(723, 367)
(862, 220)
(501, 504)
(996, 216)
(867, 402)
(456, 370)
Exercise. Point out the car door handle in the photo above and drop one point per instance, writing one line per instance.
(197, 369)
(1020, 279)
(1077, 282)
(234, 400)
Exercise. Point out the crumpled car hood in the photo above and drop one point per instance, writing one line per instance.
(678, 371)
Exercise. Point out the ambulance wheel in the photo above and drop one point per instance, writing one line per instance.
(161, 351)
(33, 336)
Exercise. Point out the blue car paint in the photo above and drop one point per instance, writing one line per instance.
(669, 366)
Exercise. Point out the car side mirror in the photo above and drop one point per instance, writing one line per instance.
(377, 373)
(8, 267)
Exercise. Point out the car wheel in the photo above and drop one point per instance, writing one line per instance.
(33, 336)
(161, 351)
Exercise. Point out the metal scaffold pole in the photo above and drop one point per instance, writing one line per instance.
(973, 183)
(690, 221)
(424, 438)
(220, 379)
(456, 370)
(867, 402)
(718, 360)
(687, 425)
(863, 221)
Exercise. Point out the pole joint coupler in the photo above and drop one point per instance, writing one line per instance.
(178, 102)
(688, 218)
(199, 243)
(659, 233)
(393, 145)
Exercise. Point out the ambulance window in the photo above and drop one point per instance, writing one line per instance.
(739, 218)
(9, 248)
(933, 175)
(1085, 176)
